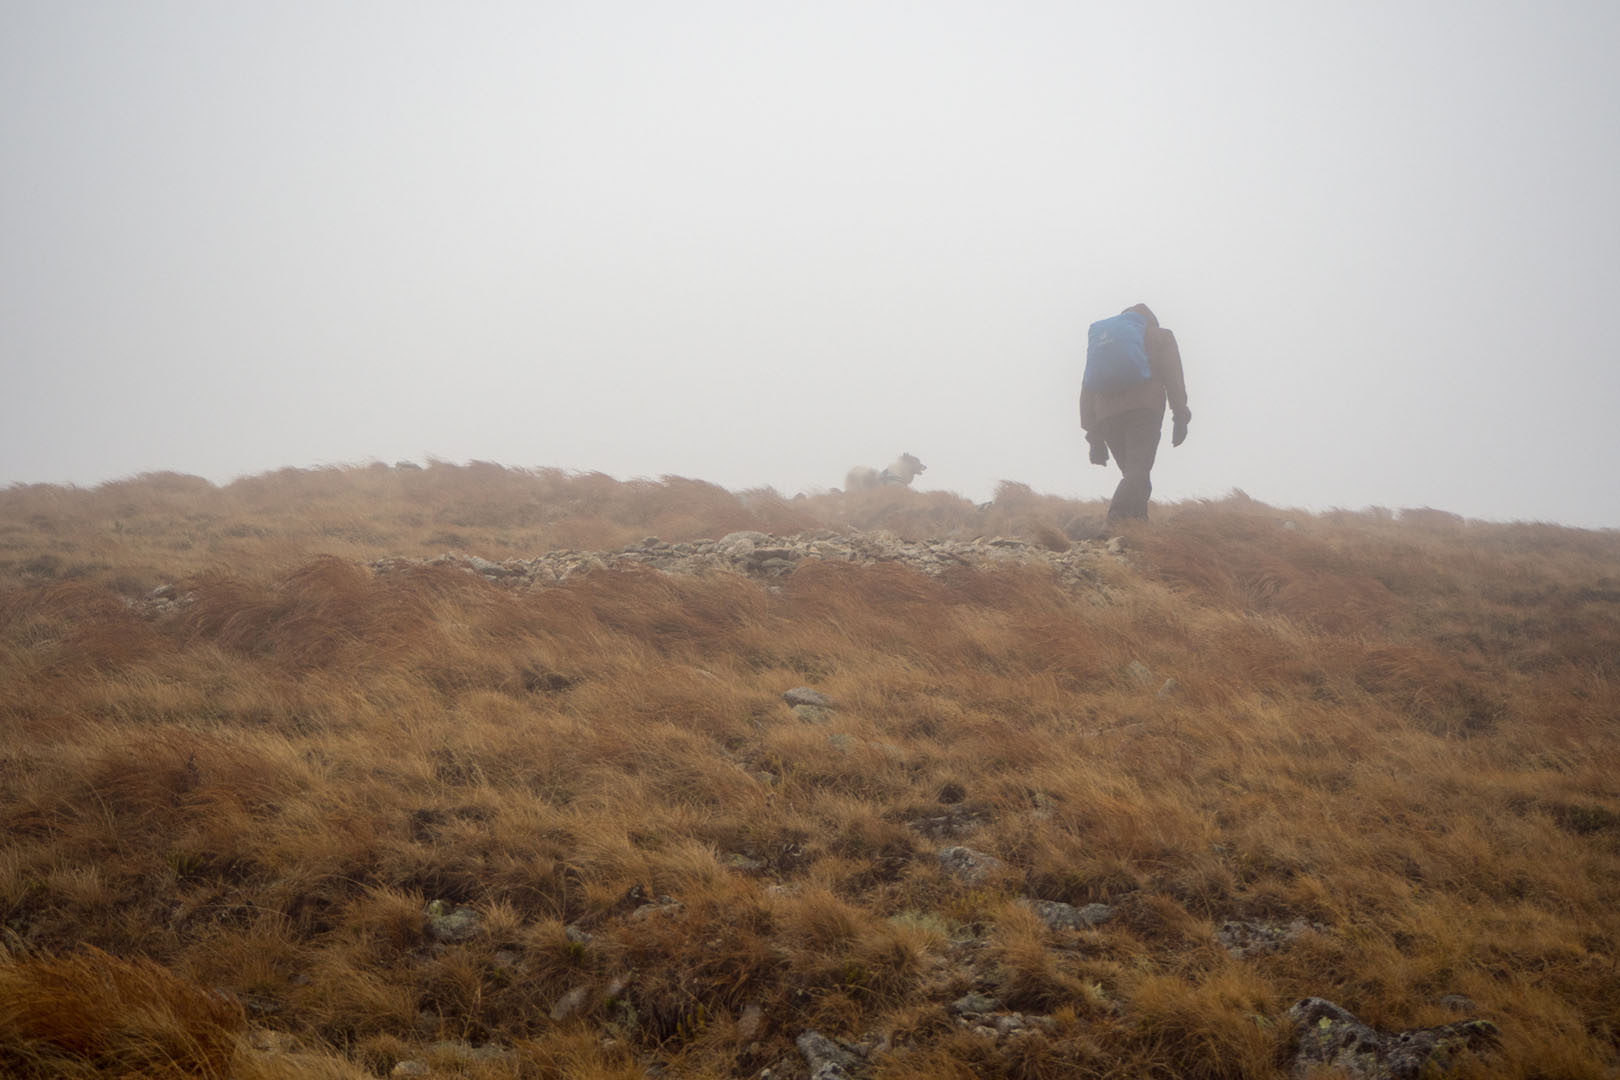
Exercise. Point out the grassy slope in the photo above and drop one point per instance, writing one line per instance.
(1400, 731)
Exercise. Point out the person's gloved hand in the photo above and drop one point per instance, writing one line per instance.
(1099, 453)
(1178, 433)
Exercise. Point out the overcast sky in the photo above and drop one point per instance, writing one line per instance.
(759, 242)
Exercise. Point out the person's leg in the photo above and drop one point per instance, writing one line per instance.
(1133, 439)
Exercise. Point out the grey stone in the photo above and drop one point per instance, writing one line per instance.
(410, 1069)
(1139, 673)
(826, 1059)
(664, 906)
(974, 1004)
(1061, 916)
(758, 554)
(1245, 939)
(740, 545)
(1328, 1036)
(570, 1003)
(1170, 689)
(452, 925)
(812, 714)
(1097, 914)
(803, 695)
(266, 1041)
(969, 866)
(955, 822)
(463, 1054)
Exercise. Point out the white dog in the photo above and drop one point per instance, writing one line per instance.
(902, 470)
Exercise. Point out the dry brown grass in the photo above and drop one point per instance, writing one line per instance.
(222, 825)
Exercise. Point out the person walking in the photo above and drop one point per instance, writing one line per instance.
(1123, 398)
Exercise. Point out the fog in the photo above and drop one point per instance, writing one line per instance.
(757, 243)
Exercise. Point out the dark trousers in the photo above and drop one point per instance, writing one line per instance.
(1133, 438)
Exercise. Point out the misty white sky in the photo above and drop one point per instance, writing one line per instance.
(758, 242)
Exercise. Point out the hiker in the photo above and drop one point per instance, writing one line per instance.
(1133, 367)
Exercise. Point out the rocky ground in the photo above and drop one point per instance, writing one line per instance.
(760, 555)
(1325, 1036)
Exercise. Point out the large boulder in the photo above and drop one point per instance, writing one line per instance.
(1326, 1035)
(969, 866)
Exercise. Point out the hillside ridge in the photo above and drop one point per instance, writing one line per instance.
(758, 554)
(514, 775)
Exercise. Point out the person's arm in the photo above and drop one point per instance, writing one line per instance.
(1088, 424)
(1168, 367)
(1166, 360)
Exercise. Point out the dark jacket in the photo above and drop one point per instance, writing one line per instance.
(1168, 385)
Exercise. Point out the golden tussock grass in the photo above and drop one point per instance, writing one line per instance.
(1384, 740)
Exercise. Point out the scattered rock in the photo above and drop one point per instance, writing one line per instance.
(257, 1005)
(740, 545)
(492, 569)
(956, 822)
(266, 1041)
(409, 1069)
(974, 1004)
(969, 866)
(1061, 916)
(452, 925)
(1139, 673)
(662, 906)
(570, 1003)
(1169, 690)
(1097, 914)
(163, 600)
(812, 714)
(803, 695)
(748, 1022)
(827, 1060)
(1244, 939)
(1327, 1035)
(759, 555)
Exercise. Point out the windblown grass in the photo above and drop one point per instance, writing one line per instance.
(223, 824)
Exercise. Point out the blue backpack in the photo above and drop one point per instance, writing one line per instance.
(1116, 354)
